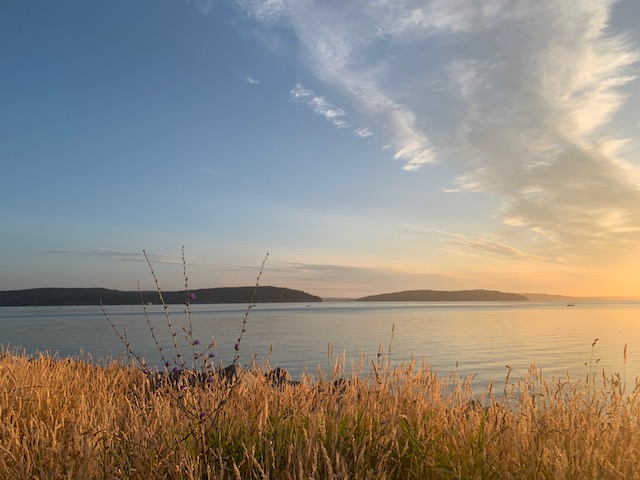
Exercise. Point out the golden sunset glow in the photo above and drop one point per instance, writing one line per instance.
(368, 146)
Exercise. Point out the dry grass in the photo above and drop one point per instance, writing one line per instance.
(71, 419)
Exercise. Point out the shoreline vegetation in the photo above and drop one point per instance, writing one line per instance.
(94, 296)
(70, 418)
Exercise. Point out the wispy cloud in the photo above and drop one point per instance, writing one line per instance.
(534, 118)
(353, 281)
(488, 247)
(478, 244)
(363, 132)
(126, 256)
(250, 80)
(337, 40)
(517, 96)
(319, 105)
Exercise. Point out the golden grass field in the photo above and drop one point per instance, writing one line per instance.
(73, 419)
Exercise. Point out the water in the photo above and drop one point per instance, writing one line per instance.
(466, 339)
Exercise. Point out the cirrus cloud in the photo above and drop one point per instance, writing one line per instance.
(519, 103)
(516, 96)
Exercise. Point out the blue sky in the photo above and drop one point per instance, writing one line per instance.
(367, 146)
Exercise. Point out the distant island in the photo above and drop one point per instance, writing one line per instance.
(545, 297)
(446, 296)
(93, 296)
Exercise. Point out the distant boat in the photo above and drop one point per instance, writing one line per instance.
(570, 305)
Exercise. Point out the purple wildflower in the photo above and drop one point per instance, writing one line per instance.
(379, 354)
(176, 369)
(201, 414)
(210, 379)
(183, 387)
(196, 342)
(211, 354)
(383, 422)
(192, 296)
(167, 363)
(237, 346)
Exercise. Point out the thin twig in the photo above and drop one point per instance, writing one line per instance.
(213, 416)
(246, 314)
(180, 361)
(123, 339)
(188, 310)
(153, 335)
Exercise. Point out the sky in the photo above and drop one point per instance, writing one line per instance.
(367, 146)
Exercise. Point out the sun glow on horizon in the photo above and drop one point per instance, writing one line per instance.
(369, 146)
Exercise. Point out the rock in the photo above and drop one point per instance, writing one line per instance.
(338, 387)
(177, 379)
(231, 373)
(278, 377)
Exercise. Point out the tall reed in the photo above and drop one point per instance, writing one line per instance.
(76, 419)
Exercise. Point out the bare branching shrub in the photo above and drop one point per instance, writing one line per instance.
(186, 383)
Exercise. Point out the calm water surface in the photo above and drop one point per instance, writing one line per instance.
(467, 339)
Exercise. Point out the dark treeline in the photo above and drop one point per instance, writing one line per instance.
(93, 296)
(445, 296)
